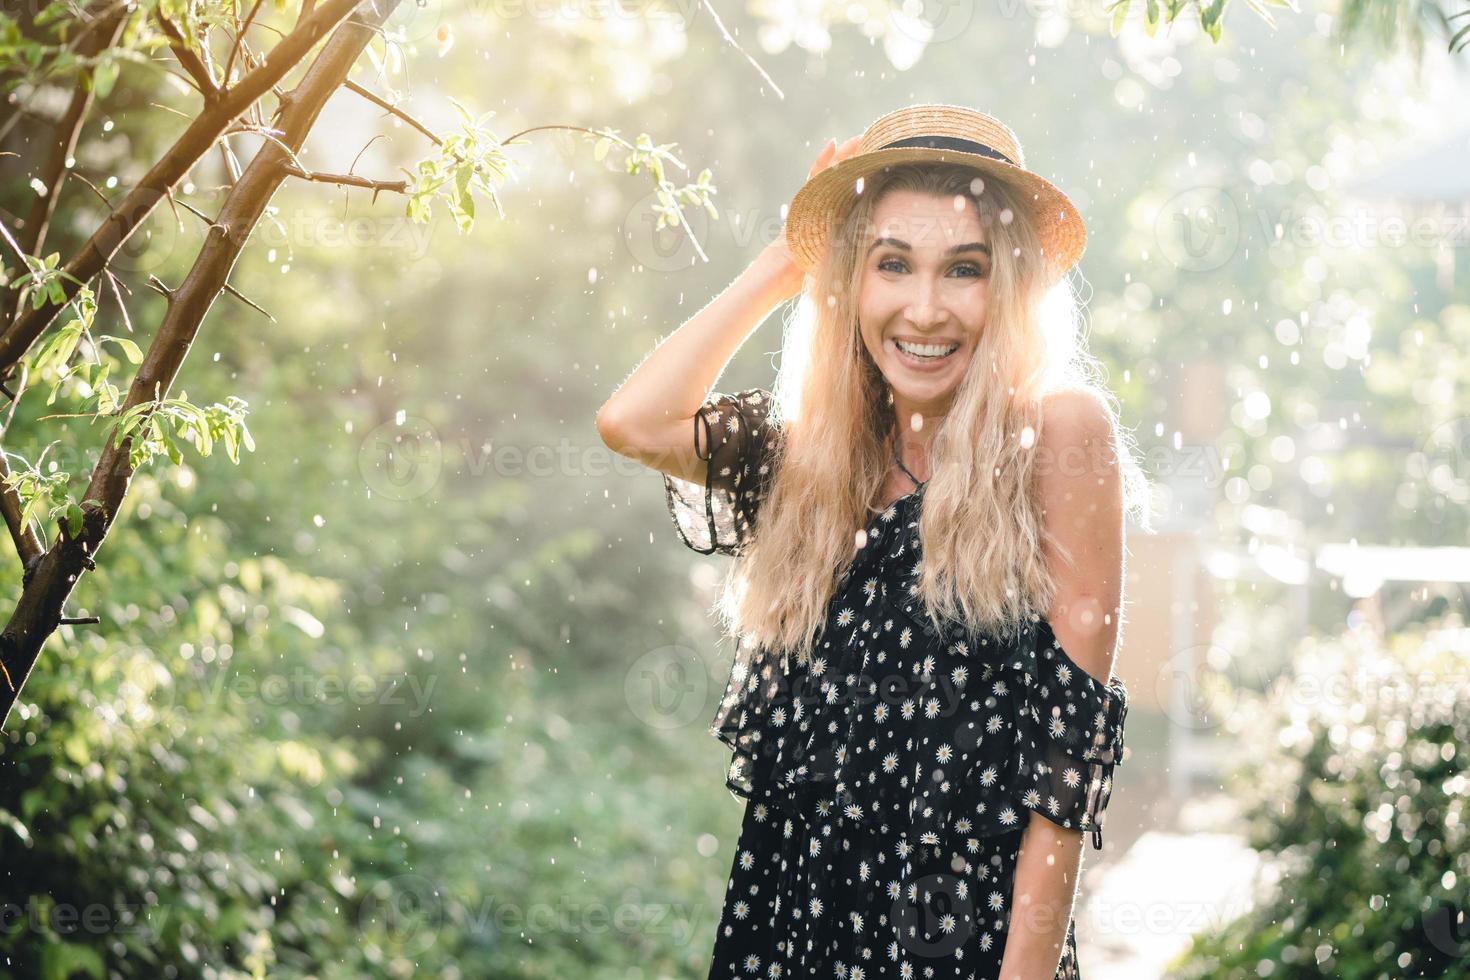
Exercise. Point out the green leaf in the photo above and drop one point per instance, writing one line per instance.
(1459, 40)
(1120, 17)
(60, 348)
(464, 114)
(75, 747)
(108, 399)
(32, 801)
(28, 512)
(133, 352)
(59, 961)
(103, 77)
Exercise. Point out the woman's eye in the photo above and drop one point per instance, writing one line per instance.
(897, 265)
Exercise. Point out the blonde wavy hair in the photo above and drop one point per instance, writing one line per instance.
(980, 528)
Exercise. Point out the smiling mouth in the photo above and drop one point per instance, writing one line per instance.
(927, 353)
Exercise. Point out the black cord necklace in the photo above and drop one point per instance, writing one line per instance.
(917, 482)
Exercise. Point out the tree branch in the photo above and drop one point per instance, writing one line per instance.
(68, 129)
(27, 544)
(189, 60)
(38, 613)
(195, 141)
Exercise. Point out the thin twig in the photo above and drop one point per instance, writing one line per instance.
(25, 259)
(174, 205)
(268, 134)
(721, 25)
(254, 306)
(160, 105)
(389, 107)
(376, 137)
(78, 176)
(227, 287)
(350, 180)
(232, 165)
(240, 39)
(121, 306)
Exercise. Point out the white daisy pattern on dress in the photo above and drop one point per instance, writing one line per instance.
(880, 798)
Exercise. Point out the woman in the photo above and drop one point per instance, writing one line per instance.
(923, 743)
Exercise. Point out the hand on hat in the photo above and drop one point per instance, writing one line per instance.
(790, 275)
(832, 154)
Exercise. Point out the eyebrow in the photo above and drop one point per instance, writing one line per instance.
(954, 250)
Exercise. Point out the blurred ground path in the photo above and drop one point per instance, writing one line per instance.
(1138, 911)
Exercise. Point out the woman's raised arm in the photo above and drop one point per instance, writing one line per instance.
(650, 418)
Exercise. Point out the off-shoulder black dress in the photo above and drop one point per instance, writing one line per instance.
(889, 777)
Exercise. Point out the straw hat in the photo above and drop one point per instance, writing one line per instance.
(938, 133)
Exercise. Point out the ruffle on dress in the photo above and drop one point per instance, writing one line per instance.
(934, 735)
(1071, 735)
(737, 439)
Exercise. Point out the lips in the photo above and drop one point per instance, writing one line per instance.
(918, 363)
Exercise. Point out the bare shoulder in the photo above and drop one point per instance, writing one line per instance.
(1071, 416)
(1078, 442)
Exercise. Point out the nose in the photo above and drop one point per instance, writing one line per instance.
(925, 309)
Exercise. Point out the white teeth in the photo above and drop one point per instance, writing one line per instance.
(927, 350)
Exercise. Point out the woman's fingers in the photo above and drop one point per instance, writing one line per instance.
(834, 153)
(827, 150)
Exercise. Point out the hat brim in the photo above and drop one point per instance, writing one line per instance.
(822, 197)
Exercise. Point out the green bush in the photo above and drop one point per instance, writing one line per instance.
(163, 813)
(156, 818)
(1356, 791)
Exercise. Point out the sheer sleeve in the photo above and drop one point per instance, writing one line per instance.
(1070, 736)
(737, 439)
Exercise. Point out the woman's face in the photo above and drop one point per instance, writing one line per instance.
(925, 283)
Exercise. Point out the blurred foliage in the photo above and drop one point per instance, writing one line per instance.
(1211, 13)
(1409, 22)
(1356, 790)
